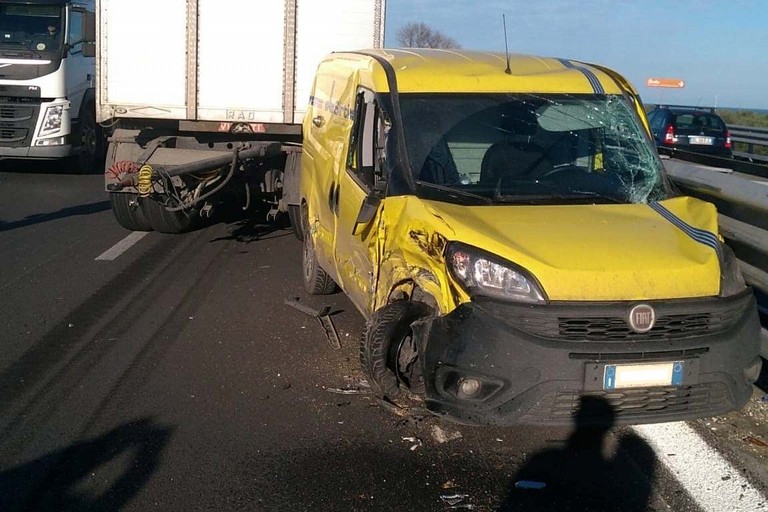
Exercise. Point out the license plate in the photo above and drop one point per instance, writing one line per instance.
(623, 376)
(705, 141)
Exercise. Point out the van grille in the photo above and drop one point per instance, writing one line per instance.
(607, 322)
(637, 403)
(608, 329)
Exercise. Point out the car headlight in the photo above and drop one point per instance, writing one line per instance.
(52, 120)
(485, 275)
(731, 279)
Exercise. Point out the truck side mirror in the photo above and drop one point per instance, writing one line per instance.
(89, 28)
(89, 49)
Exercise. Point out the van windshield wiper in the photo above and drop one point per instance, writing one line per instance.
(550, 197)
(455, 193)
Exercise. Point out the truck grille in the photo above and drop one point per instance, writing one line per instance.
(17, 121)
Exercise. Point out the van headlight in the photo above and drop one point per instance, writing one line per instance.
(486, 275)
(52, 120)
(731, 279)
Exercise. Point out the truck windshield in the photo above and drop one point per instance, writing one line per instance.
(530, 149)
(30, 28)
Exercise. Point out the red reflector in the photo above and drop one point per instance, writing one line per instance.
(670, 135)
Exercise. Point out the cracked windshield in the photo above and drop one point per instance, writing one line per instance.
(530, 149)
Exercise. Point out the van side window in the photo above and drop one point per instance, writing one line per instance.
(362, 157)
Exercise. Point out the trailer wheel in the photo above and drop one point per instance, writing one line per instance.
(388, 353)
(164, 221)
(92, 151)
(128, 212)
(294, 215)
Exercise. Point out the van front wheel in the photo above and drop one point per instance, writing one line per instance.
(388, 350)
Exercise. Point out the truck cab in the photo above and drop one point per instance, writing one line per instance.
(47, 64)
(508, 230)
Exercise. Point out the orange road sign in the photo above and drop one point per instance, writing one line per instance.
(673, 83)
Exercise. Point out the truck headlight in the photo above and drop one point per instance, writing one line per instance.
(485, 275)
(52, 120)
(731, 279)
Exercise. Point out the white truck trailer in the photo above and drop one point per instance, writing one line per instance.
(47, 81)
(206, 95)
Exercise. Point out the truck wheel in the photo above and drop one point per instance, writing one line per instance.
(387, 351)
(294, 215)
(92, 151)
(164, 221)
(128, 212)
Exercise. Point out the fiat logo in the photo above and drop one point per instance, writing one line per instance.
(642, 318)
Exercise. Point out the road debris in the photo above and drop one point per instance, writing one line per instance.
(416, 442)
(344, 391)
(442, 436)
(530, 484)
(450, 484)
(756, 442)
(323, 316)
(453, 499)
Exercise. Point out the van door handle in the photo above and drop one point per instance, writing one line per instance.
(318, 121)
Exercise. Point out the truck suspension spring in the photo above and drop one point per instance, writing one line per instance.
(144, 182)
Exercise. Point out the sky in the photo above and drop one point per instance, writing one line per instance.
(719, 48)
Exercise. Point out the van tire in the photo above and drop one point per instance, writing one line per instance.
(316, 280)
(164, 221)
(384, 332)
(294, 215)
(128, 213)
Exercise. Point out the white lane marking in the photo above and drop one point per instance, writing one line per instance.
(711, 480)
(122, 246)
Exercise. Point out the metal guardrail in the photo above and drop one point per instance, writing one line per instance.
(750, 136)
(742, 202)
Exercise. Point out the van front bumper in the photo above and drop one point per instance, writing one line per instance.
(536, 364)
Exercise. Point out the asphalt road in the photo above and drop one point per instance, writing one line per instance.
(174, 377)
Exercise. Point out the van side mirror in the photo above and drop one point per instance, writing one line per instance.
(370, 206)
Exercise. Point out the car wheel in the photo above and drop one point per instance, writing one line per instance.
(388, 352)
(128, 212)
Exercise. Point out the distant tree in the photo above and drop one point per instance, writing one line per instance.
(420, 35)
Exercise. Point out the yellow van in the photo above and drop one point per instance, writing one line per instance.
(506, 227)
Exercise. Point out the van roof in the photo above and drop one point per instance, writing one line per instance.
(435, 70)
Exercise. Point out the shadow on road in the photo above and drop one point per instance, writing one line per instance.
(252, 226)
(39, 218)
(103, 473)
(579, 477)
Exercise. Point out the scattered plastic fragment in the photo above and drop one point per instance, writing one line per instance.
(416, 442)
(756, 442)
(530, 484)
(323, 316)
(344, 391)
(453, 499)
(441, 436)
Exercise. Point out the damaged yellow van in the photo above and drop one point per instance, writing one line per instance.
(506, 227)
